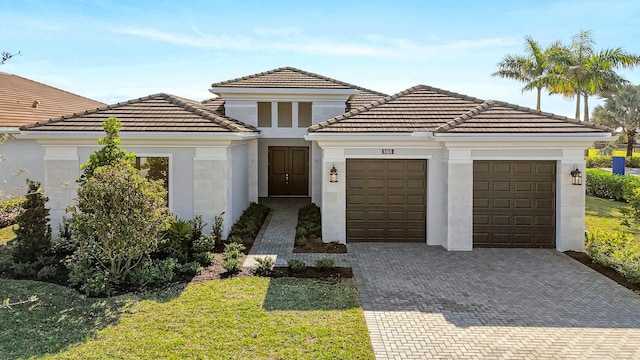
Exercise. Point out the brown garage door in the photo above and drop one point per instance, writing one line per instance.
(386, 200)
(514, 204)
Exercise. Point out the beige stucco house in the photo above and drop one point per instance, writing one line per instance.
(423, 165)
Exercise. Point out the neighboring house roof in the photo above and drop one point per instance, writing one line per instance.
(153, 113)
(24, 101)
(427, 109)
(292, 78)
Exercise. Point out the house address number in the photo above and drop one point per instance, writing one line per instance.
(387, 151)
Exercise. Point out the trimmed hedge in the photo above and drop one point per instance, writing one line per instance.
(602, 161)
(618, 250)
(9, 211)
(604, 184)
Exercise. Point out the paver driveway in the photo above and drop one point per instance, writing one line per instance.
(423, 302)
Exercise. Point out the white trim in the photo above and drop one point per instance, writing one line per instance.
(218, 90)
(393, 157)
(171, 171)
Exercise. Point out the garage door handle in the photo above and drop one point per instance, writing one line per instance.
(286, 179)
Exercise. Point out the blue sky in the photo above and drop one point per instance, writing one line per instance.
(117, 50)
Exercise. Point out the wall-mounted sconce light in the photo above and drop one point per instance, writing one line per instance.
(333, 174)
(576, 176)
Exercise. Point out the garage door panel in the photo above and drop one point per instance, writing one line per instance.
(514, 204)
(393, 200)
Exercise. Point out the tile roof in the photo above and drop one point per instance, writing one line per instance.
(153, 113)
(24, 101)
(427, 109)
(290, 78)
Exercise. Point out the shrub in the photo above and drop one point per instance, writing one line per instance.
(309, 227)
(231, 265)
(296, 265)
(24, 269)
(250, 222)
(154, 272)
(265, 266)
(47, 272)
(190, 268)
(230, 257)
(97, 284)
(603, 184)
(120, 216)
(323, 263)
(618, 250)
(33, 235)
(175, 241)
(218, 222)
(602, 161)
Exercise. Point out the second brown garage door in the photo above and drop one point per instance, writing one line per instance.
(514, 204)
(386, 200)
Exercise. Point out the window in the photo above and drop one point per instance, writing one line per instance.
(304, 114)
(264, 114)
(284, 114)
(155, 168)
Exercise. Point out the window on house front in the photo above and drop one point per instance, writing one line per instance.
(264, 114)
(304, 114)
(155, 168)
(284, 114)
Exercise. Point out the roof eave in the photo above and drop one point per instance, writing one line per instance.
(140, 135)
(219, 90)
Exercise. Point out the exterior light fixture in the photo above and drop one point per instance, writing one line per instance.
(333, 174)
(576, 176)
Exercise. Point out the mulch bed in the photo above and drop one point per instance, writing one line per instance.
(321, 247)
(612, 274)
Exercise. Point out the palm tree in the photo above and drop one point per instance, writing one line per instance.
(580, 71)
(621, 110)
(530, 69)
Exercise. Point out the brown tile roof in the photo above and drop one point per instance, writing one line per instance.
(290, 78)
(153, 113)
(427, 109)
(214, 104)
(18, 96)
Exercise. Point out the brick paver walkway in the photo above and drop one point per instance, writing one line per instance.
(426, 303)
(277, 236)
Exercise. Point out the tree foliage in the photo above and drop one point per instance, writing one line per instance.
(33, 235)
(109, 154)
(120, 214)
(532, 69)
(577, 70)
(621, 110)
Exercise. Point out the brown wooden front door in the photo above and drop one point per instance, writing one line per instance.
(514, 204)
(288, 171)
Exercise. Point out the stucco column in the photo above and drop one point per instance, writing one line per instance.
(334, 225)
(210, 174)
(61, 170)
(570, 202)
(459, 203)
(252, 149)
(315, 168)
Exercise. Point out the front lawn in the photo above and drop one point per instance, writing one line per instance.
(243, 318)
(605, 214)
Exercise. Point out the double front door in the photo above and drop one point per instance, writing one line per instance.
(288, 171)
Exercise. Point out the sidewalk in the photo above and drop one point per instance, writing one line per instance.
(277, 235)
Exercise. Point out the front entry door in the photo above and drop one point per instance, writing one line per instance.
(288, 171)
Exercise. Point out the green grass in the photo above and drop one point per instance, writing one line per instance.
(605, 214)
(246, 318)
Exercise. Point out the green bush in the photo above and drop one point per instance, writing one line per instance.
(154, 272)
(97, 284)
(191, 268)
(33, 235)
(24, 269)
(265, 266)
(603, 161)
(218, 222)
(323, 263)
(231, 255)
(604, 184)
(296, 265)
(47, 272)
(250, 222)
(618, 250)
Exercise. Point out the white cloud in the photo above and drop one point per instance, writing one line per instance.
(293, 40)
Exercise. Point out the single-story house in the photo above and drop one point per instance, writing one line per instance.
(23, 102)
(423, 165)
